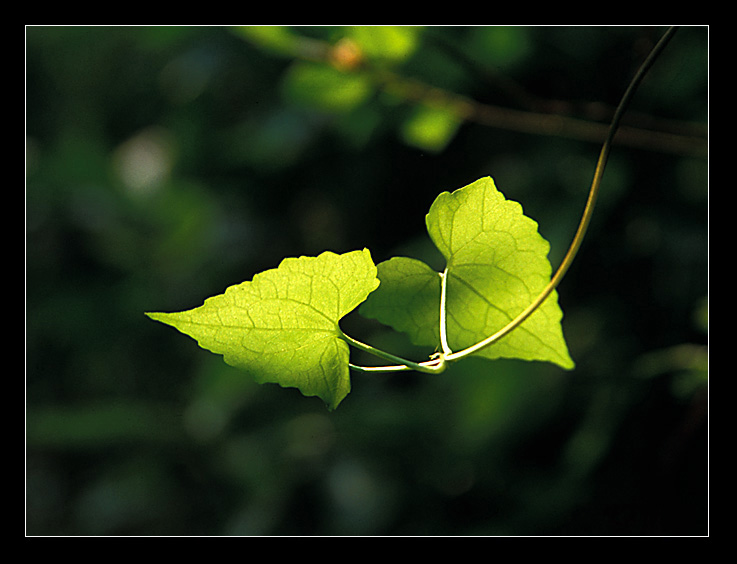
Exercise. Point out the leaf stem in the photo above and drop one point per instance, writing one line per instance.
(431, 366)
(443, 326)
(588, 209)
(434, 366)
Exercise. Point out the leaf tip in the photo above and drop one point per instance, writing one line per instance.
(568, 364)
(153, 315)
(161, 317)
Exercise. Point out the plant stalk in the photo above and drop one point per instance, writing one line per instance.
(443, 323)
(432, 366)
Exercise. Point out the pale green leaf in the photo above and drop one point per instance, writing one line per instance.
(282, 327)
(277, 38)
(408, 299)
(430, 128)
(496, 266)
(388, 42)
(325, 88)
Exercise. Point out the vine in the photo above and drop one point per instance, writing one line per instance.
(283, 326)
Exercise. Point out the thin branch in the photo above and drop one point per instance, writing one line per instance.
(347, 57)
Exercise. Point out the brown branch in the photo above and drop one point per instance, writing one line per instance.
(539, 123)
(346, 56)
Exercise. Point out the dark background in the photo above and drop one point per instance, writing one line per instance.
(165, 164)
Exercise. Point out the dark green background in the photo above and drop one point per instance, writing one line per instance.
(132, 429)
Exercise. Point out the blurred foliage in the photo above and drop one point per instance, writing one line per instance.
(164, 164)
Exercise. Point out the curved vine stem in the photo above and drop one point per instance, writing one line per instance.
(438, 362)
(588, 210)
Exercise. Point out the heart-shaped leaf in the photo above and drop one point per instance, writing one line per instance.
(496, 266)
(282, 327)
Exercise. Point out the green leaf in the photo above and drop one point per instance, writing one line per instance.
(325, 88)
(408, 299)
(386, 42)
(496, 266)
(282, 327)
(430, 128)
